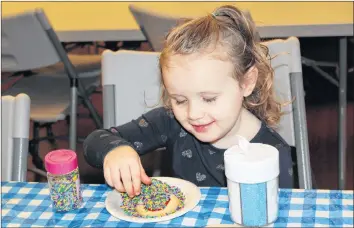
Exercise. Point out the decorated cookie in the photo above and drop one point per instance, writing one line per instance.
(156, 200)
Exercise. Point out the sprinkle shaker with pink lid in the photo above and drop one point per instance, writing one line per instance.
(63, 180)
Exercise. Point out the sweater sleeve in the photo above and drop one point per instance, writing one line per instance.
(147, 133)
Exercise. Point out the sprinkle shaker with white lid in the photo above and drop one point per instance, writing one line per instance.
(252, 171)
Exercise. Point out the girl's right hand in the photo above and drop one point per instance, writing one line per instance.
(123, 170)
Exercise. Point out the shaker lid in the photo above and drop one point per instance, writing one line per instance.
(251, 162)
(61, 161)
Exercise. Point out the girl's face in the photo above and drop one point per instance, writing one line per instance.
(205, 98)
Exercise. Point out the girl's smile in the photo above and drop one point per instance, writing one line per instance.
(201, 128)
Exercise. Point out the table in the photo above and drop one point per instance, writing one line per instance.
(28, 204)
(273, 19)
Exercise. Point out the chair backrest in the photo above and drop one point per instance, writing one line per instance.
(15, 125)
(154, 26)
(281, 60)
(29, 42)
(25, 44)
(288, 85)
(131, 77)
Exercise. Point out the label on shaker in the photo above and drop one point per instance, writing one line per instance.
(254, 204)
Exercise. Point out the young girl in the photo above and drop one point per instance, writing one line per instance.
(217, 84)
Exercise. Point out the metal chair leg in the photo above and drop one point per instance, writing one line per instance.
(67, 119)
(87, 103)
(34, 149)
(51, 137)
(38, 172)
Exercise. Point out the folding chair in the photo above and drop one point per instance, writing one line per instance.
(129, 91)
(15, 120)
(57, 79)
(288, 84)
(155, 26)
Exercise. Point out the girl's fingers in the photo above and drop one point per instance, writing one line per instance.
(117, 181)
(144, 178)
(107, 176)
(135, 174)
(127, 180)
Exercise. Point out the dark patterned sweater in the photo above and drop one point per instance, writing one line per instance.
(192, 160)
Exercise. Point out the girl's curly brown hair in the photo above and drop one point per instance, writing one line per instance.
(234, 31)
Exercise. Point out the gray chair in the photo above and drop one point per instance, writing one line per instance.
(29, 43)
(288, 84)
(15, 121)
(155, 26)
(129, 91)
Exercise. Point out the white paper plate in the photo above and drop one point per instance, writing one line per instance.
(190, 191)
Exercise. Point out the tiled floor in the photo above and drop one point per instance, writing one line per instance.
(322, 128)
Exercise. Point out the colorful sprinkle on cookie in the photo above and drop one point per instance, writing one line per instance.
(154, 197)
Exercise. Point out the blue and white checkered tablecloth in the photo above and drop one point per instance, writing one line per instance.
(29, 205)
